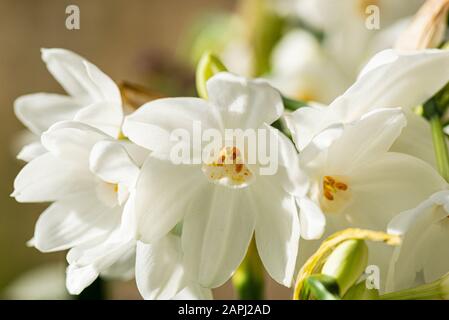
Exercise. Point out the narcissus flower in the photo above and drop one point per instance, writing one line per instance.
(93, 98)
(222, 200)
(355, 181)
(345, 35)
(391, 79)
(91, 179)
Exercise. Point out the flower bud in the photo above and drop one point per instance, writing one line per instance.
(361, 292)
(208, 66)
(427, 28)
(347, 263)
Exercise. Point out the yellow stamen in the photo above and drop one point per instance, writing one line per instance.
(331, 186)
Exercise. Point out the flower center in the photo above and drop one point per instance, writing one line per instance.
(331, 186)
(228, 169)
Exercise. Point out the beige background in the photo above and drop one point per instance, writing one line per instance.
(113, 35)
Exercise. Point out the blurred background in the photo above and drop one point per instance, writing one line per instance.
(141, 41)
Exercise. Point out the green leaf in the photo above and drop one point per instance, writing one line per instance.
(322, 287)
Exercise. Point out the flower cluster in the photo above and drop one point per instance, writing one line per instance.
(123, 207)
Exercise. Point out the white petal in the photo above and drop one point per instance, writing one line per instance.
(244, 103)
(137, 153)
(277, 229)
(416, 139)
(194, 292)
(78, 279)
(151, 125)
(123, 269)
(391, 184)
(31, 151)
(420, 217)
(419, 240)
(41, 110)
(164, 194)
(216, 236)
(307, 122)
(72, 141)
(435, 260)
(289, 173)
(80, 78)
(88, 261)
(105, 116)
(366, 139)
(159, 271)
(48, 178)
(110, 161)
(311, 219)
(396, 79)
(73, 221)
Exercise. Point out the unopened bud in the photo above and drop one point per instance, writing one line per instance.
(361, 292)
(427, 28)
(347, 263)
(208, 66)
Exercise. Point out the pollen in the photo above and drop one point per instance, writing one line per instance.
(331, 186)
(228, 169)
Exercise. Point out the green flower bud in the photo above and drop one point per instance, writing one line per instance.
(361, 292)
(347, 263)
(208, 66)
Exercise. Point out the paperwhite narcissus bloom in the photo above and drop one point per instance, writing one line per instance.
(93, 98)
(90, 178)
(425, 234)
(354, 180)
(220, 209)
(346, 45)
(350, 33)
(390, 79)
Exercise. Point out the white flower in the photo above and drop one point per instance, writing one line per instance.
(93, 98)
(390, 79)
(425, 232)
(354, 180)
(346, 45)
(91, 179)
(220, 213)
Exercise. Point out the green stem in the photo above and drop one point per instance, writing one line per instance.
(248, 280)
(427, 291)
(440, 146)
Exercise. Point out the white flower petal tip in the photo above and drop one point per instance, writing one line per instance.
(244, 103)
(80, 278)
(31, 243)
